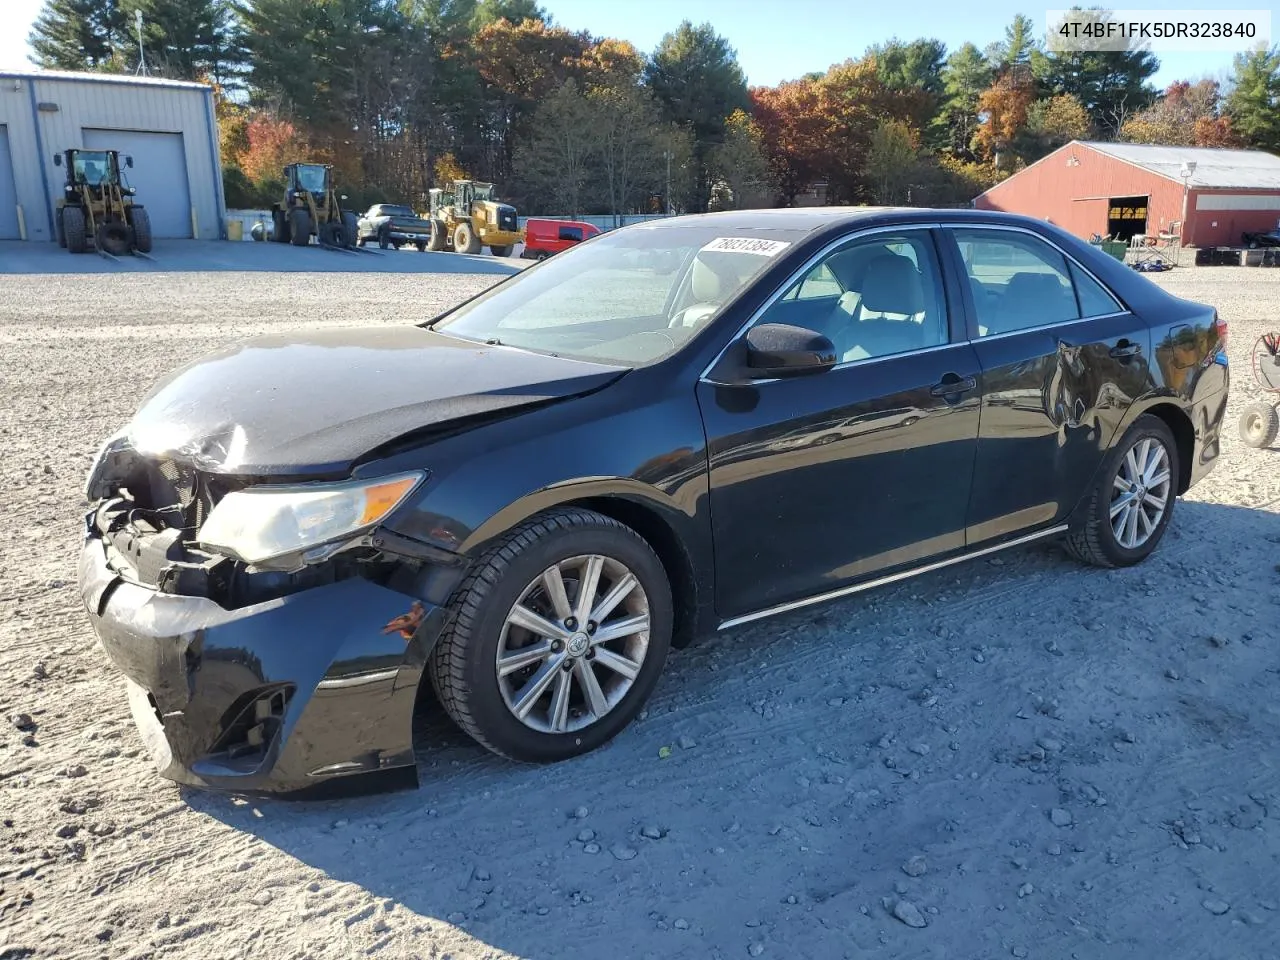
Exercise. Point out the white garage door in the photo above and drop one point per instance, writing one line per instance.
(8, 196)
(159, 175)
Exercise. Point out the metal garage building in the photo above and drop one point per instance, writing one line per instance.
(167, 126)
(1123, 189)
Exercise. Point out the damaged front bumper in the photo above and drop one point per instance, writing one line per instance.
(286, 695)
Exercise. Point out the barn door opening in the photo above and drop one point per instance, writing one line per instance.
(1126, 217)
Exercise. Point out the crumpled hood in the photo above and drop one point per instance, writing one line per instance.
(312, 404)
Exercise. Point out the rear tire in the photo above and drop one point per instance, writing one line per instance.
(279, 226)
(1259, 424)
(483, 699)
(1153, 470)
(141, 221)
(422, 246)
(299, 227)
(73, 229)
(384, 238)
(465, 240)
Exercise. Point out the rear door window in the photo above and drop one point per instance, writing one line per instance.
(1018, 281)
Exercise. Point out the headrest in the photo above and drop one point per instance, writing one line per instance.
(892, 285)
(1030, 285)
(705, 283)
(850, 266)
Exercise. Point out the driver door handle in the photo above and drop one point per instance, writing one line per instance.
(952, 384)
(1125, 350)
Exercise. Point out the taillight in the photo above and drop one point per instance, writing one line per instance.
(1220, 328)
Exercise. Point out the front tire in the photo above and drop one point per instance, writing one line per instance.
(1259, 424)
(519, 671)
(141, 221)
(74, 230)
(465, 239)
(1129, 508)
(299, 227)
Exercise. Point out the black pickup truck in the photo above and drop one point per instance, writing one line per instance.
(392, 225)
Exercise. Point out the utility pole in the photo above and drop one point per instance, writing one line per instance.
(667, 194)
(142, 57)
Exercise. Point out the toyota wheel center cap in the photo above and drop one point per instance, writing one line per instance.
(577, 644)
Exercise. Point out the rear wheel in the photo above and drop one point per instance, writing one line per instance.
(1259, 424)
(384, 238)
(73, 229)
(1129, 508)
(558, 637)
(421, 245)
(299, 227)
(141, 221)
(465, 239)
(279, 226)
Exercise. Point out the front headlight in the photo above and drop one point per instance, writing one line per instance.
(262, 523)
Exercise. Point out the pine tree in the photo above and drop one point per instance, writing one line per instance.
(1254, 101)
(77, 34)
(186, 39)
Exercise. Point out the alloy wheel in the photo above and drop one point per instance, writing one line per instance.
(573, 644)
(1140, 493)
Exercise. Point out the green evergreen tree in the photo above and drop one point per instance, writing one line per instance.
(186, 39)
(696, 78)
(967, 73)
(1254, 101)
(77, 34)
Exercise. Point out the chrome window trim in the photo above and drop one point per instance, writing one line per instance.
(1011, 228)
(808, 265)
(890, 578)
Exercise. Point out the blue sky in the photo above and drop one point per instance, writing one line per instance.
(784, 39)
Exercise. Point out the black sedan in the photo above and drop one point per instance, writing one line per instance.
(674, 428)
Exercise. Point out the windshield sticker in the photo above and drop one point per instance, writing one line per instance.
(765, 248)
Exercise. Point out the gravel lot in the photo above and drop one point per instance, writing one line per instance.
(1018, 757)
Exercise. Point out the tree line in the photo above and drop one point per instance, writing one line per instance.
(402, 95)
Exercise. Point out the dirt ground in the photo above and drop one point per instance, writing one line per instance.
(1015, 757)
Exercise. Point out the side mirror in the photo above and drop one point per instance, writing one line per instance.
(57, 159)
(781, 350)
(128, 162)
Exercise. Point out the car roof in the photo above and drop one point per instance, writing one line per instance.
(823, 218)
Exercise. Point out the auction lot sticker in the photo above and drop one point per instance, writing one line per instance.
(765, 248)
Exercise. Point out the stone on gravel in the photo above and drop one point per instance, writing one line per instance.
(681, 923)
(650, 832)
(621, 851)
(1018, 951)
(686, 742)
(756, 949)
(909, 913)
(23, 721)
(581, 813)
(263, 897)
(586, 836)
(1025, 890)
(1216, 907)
(1060, 817)
(76, 770)
(915, 867)
(591, 848)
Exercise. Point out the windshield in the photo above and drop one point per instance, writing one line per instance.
(483, 191)
(311, 177)
(93, 167)
(390, 210)
(633, 296)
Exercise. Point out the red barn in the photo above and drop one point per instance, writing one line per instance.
(1123, 189)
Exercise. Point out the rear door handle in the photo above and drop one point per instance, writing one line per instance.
(1125, 350)
(951, 384)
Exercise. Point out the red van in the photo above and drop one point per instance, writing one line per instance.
(542, 238)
